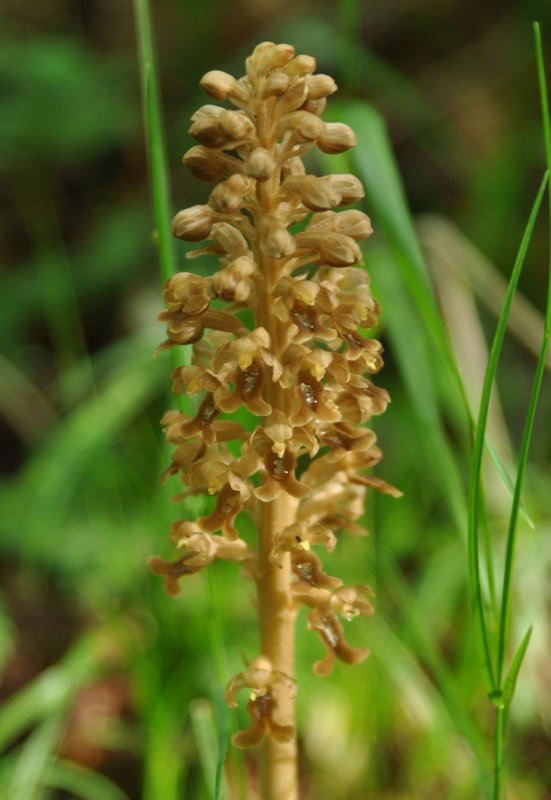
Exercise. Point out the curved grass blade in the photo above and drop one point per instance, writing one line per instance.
(511, 679)
(443, 677)
(51, 692)
(82, 782)
(538, 377)
(374, 162)
(490, 677)
(32, 761)
(414, 328)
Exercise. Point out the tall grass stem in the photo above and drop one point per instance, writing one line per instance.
(155, 139)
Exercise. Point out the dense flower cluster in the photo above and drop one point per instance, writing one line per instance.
(303, 368)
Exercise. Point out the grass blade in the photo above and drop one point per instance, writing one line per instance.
(416, 330)
(491, 680)
(374, 162)
(202, 724)
(223, 741)
(160, 184)
(82, 782)
(529, 424)
(51, 692)
(164, 764)
(33, 758)
(511, 679)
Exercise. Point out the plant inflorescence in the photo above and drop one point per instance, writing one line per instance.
(281, 330)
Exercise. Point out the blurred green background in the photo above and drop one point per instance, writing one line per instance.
(101, 672)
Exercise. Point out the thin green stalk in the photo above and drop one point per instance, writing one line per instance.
(155, 143)
(490, 677)
(502, 693)
(489, 564)
(160, 183)
(540, 368)
(221, 667)
(499, 736)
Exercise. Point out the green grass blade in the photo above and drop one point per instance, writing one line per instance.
(431, 659)
(160, 184)
(489, 676)
(373, 161)
(415, 329)
(33, 760)
(216, 641)
(411, 350)
(529, 424)
(164, 762)
(51, 692)
(506, 478)
(223, 741)
(511, 679)
(202, 724)
(160, 181)
(82, 782)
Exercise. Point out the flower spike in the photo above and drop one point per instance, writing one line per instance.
(280, 334)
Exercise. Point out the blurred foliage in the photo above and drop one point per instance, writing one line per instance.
(98, 666)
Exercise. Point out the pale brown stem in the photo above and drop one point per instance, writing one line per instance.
(276, 609)
(277, 642)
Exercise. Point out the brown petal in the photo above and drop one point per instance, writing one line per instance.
(254, 735)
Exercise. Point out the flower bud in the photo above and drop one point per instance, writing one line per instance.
(293, 166)
(226, 130)
(192, 224)
(301, 65)
(231, 283)
(259, 54)
(208, 111)
(188, 292)
(337, 250)
(236, 126)
(336, 138)
(220, 85)
(316, 193)
(227, 240)
(207, 131)
(353, 223)
(276, 84)
(295, 96)
(227, 197)
(316, 107)
(320, 86)
(306, 126)
(275, 239)
(260, 164)
(348, 186)
(207, 165)
(275, 58)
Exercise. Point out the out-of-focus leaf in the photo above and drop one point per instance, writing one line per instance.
(76, 99)
(32, 759)
(51, 692)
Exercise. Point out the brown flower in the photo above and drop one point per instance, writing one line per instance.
(242, 362)
(265, 684)
(331, 633)
(301, 536)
